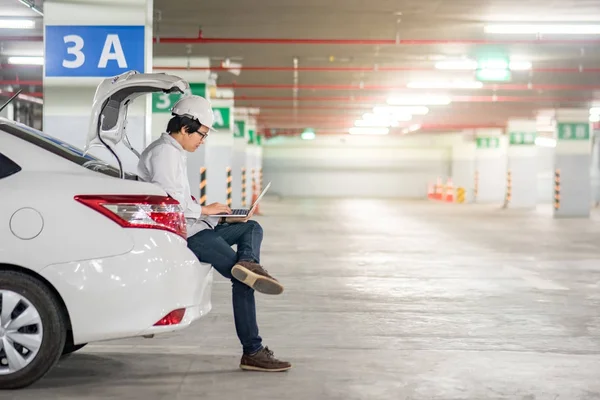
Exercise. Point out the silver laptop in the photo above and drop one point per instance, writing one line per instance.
(243, 212)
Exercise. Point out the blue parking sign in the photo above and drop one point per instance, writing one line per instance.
(93, 51)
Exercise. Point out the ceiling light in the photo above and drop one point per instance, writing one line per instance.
(12, 23)
(594, 110)
(375, 123)
(595, 118)
(369, 131)
(391, 118)
(567, 29)
(520, 65)
(457, 65)
(445, 85)
(416, 110)
(26, 60)
(419, 100)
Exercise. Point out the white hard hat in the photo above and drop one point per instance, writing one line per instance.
(195, 107)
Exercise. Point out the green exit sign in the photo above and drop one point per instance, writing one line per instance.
(164, 102)
(488, 142)
(522, 138)
(573, 130)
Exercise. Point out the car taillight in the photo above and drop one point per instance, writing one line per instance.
(173, 318)
(139, 211)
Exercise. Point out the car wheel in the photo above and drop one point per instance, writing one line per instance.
(72, 348)
(32, 330)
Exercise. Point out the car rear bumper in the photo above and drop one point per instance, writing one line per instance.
(126, 295)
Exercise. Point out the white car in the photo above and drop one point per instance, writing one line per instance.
(87, 252)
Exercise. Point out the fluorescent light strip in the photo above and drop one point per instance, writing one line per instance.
(402, 110)
(419, 101)
(565, 29)
(12, 23)
(467, 65)
(368, 131)
(387, 117)
(445, 85)
(26, 60)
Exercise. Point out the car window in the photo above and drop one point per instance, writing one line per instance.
(62, 149)
(7, 166)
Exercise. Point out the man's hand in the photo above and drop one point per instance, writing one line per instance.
(215, 209)
(233, 220)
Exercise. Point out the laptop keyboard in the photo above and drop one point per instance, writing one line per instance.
(239, 211)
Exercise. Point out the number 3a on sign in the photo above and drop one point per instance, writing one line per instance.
(94, 51)
(112, 50)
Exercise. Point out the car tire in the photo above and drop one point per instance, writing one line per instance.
(25, 291)
(72, 348)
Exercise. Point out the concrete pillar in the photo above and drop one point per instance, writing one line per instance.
(490, 165)
(572, 163)
(219, 151)
(241, 173)
(522, 164)
(104, 40)
(595, 167)
(463, 167)
(253, 154)
(162, 104)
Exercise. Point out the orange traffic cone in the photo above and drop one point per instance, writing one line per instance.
(430, 191)
(439, 189)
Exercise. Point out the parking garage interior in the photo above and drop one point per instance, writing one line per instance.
(434, 200)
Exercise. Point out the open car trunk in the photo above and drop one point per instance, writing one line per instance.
(111, 102)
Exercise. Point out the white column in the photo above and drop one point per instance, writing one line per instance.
(490, 165)
(103, 40)
(522, 163)
(572, 163)
(219, 151)
(162, 104)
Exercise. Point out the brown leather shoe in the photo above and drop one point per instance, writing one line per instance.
(263, 360)
(256, 277)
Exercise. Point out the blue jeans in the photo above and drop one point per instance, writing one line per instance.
(214, 247)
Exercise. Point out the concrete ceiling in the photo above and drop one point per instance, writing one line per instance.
(337, 82)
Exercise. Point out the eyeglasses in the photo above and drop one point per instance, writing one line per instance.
(202, 134)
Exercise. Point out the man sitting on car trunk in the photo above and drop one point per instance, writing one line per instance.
(164, 163)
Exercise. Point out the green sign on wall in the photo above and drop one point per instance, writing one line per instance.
(251, 139)
(488, 142)
(259, 139)
(163, 102)
(222, 118)
(239, 129)
(522, 138)
(573, 131)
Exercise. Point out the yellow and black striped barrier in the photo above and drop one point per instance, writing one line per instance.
(557, 189)
(460, 194)
(203, 186)
(229, 180)
(508, 196)
(244, 187)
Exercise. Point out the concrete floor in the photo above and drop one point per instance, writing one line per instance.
(384, 300)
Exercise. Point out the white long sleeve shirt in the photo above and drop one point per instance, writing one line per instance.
(164, 163)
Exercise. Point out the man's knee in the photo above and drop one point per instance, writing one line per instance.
(255, 227)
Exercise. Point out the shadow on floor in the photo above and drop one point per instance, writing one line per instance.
(131, 369)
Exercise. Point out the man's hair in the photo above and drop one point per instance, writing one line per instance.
(178, 122)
